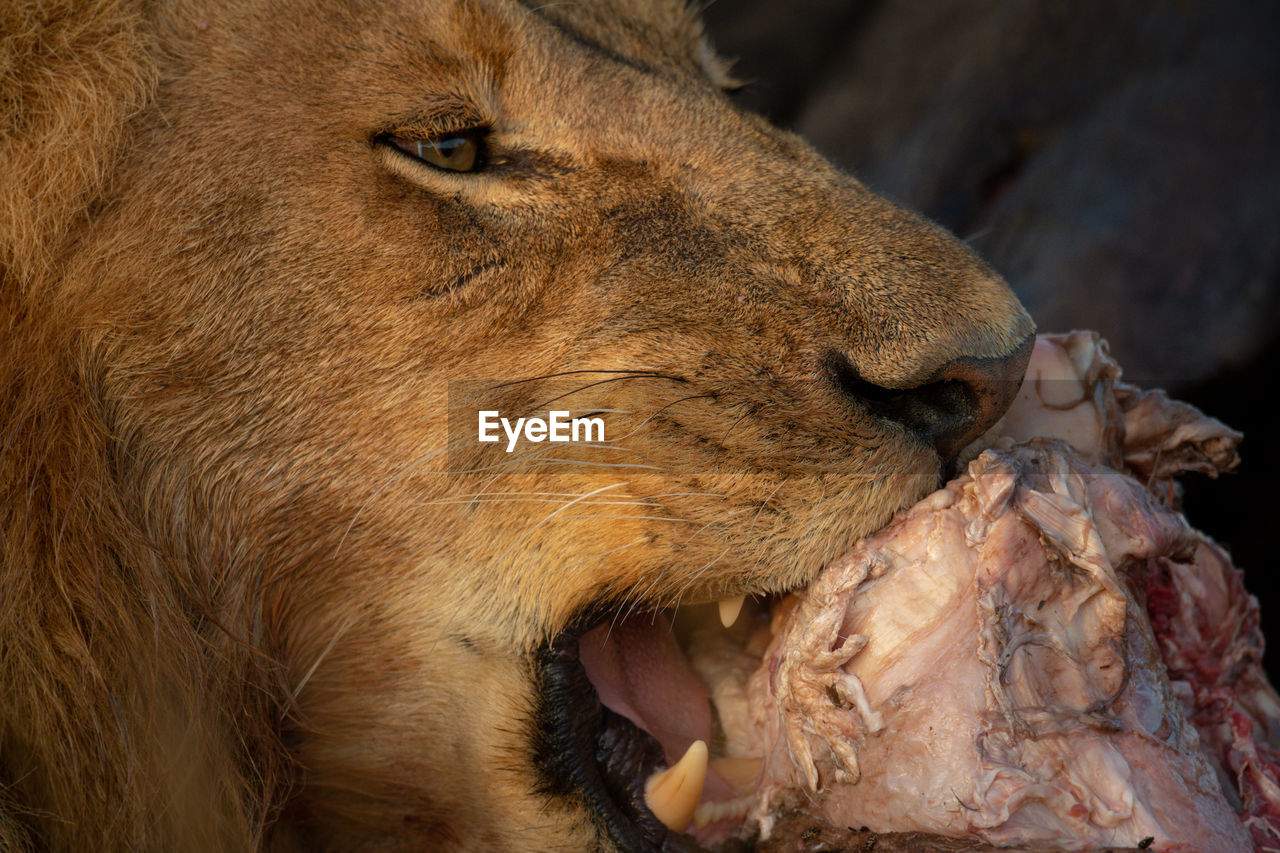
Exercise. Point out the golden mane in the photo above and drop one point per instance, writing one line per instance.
(95, 735)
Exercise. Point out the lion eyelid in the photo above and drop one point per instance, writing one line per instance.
(436, 152)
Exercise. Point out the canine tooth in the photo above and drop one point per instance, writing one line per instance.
(673, 794)
(730, 608)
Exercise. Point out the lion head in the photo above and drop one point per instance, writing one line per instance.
(265, 261)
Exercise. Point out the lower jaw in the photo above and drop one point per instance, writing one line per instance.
(574, 740)
(605, 748)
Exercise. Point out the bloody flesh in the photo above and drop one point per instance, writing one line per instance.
(1041, 653)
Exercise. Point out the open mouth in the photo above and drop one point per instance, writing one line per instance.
(645, 716)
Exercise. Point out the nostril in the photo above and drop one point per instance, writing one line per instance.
(933, 411)
(956, 405)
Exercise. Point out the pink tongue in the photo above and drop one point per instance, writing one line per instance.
(640, 673)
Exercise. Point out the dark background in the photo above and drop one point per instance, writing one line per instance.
(1118, 162)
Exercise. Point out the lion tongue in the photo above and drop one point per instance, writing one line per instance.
(639, 672)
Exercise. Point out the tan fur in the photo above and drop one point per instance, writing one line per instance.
(248, 599)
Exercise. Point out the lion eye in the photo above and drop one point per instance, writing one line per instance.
(458, 152)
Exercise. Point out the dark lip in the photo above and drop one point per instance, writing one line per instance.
(583, 750)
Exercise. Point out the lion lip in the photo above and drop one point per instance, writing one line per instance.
(587, 751)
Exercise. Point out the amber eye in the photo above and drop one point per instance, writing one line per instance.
(457, 152)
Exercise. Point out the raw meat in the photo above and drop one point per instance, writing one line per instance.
(1041, 653)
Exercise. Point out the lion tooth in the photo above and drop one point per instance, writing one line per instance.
(730, 608)
(673, 794)
(711, 812)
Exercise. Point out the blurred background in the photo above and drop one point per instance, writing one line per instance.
(1118, 161)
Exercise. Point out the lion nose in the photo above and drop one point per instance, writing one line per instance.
(956, 404)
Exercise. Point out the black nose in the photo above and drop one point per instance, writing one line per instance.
(955, 405)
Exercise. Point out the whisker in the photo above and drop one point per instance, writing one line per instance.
(600, 554)
(604, 382)
(505, 467)
(700, 572)
(607, 445)
(536, 9)
(710, 523)
(633, 518)
(663, 409)
(686, 495)
(503, 555)
(293, 694)
(652, 373)
(407, 467)
(508, 467)
(475, 501)
(529, 462)
(538, 494)
(622, 374)
(733, 425)
(764, 503)
(467, 499)
(629, 604)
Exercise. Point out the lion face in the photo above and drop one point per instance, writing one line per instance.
(292, 319)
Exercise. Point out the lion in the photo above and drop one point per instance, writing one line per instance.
(260, 592)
